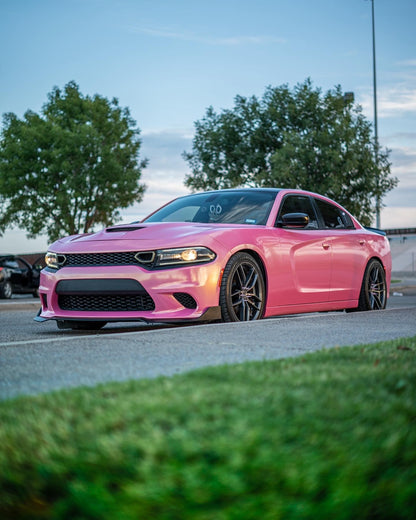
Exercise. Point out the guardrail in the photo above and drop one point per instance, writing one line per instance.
(401, 231)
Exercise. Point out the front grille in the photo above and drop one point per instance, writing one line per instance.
(105, 303)
(86, 259)
(186, 300)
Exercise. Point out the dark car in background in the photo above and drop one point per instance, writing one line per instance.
(17, 276)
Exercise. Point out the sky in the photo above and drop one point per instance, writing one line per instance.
(169, 60)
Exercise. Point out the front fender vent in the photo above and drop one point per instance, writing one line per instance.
(186, 300)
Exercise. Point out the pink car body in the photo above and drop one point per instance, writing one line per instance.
(303, 269)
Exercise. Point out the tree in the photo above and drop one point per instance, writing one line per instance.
(292, 139)
(71, 167)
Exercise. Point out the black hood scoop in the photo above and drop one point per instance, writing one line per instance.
(121, 229)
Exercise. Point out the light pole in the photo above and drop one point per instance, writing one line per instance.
(378, 202)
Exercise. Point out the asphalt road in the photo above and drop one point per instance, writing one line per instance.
(37, 358)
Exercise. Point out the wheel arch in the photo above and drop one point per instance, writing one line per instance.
(238, 258)
(369, 259)
(375, 257)
(386, 269)
(260, 261)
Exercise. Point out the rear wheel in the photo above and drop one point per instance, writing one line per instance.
(373, 295)
(242, 294)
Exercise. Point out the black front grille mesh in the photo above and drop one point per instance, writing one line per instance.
(83, 259)
(106, 303)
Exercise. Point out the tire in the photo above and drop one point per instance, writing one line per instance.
(80, 325)
(243, 292)
(7, 291)
(373, 295)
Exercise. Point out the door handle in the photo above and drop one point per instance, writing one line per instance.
(362, 242)
(326, 246)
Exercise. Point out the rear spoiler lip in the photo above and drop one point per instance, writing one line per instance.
(375, 230)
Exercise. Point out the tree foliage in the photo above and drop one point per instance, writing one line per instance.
(300, 138)
(69, 168)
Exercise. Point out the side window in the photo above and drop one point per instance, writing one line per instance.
(299, 204)
(333, 217)
(12, 264)
(21, 264)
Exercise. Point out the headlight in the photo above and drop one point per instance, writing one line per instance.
(183, 256)
(53, 260)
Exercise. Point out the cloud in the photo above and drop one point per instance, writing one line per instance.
(164, 148)
(402, 137)
(162, 187)
(406, 63)
(404, 159)
(209, 40)
(395, 101)
(398, 217)
(395, 98)
(165, 174)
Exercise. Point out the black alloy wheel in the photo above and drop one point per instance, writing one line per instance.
(373, 295)
(242, 294)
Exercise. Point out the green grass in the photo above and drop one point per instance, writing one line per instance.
(331, 435)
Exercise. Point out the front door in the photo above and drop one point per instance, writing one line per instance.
(303, 259)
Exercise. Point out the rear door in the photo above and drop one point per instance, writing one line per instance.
(349, 251)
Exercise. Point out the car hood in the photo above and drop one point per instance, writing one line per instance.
(141, 236)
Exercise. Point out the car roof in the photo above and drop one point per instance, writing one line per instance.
(234, 190)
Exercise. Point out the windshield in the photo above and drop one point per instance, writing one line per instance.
(222, 207)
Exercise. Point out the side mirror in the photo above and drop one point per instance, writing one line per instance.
(294, 221)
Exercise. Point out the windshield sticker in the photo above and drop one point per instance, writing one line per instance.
(215, 211)
(250, 221)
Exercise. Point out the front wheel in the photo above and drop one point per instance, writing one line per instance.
(373, 295)
(243, 293)
(6, 291)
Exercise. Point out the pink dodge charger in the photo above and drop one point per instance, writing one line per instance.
(230, 255)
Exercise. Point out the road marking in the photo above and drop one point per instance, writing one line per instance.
(37, 341)
(160, 327)
(103, 334)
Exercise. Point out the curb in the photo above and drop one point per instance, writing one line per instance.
(406, 286)
(405, 290)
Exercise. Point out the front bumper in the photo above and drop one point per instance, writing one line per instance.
(130, 293)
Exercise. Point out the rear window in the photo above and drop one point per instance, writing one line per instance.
(333, 217)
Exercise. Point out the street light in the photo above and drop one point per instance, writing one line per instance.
(348, 98)
(378, 202)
